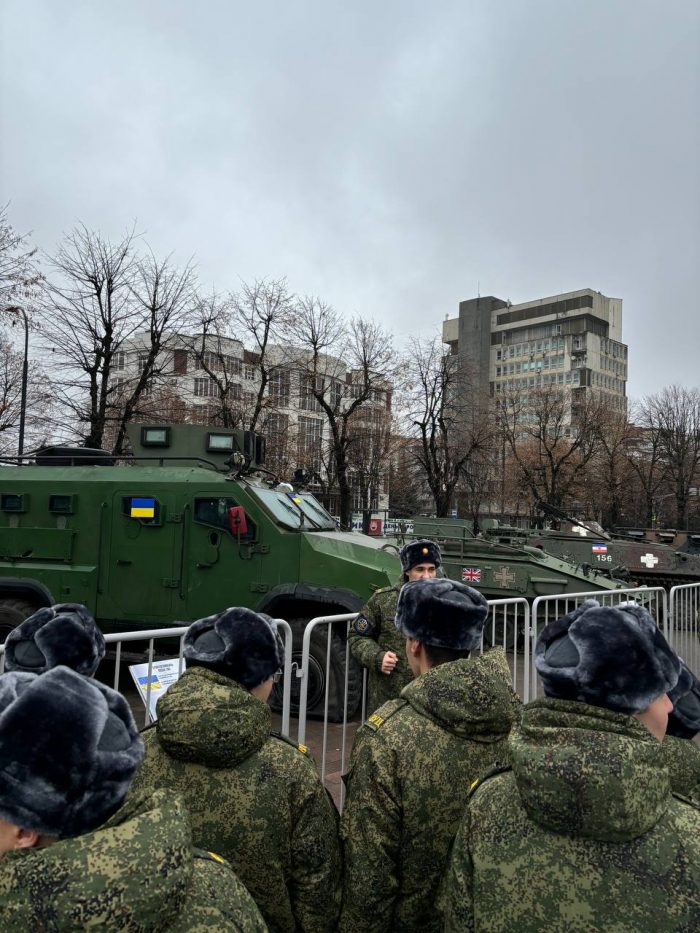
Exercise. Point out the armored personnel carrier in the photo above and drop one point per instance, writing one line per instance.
(502, 569)
(189, 525)
(637, 559)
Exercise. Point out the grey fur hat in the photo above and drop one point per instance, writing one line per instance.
(239, 643)
(442, 613)
(684, 721)
(614, 657)
(62, 634)
(419, 552)
(69, 748)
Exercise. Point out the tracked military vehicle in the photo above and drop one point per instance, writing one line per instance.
(189, 525)
(502, 569)
(636, 559)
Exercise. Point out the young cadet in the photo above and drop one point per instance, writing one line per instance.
(63, 634)
(253, 797)
(71, 856)
(374, 640)
(584, 832)
(680, 754)
(414, 759)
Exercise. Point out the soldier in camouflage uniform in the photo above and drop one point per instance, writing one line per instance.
(414, 759)
(680, 750)
(374, 640)
(252, 796)
(70, 856)
(584, 833)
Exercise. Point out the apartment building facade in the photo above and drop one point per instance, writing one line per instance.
(572, 340)
(216, 379)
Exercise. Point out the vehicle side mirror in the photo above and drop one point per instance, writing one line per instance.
(237, 521)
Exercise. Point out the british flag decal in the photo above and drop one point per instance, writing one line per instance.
(471, 575)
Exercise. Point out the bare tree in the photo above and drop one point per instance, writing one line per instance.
(341, 367)
(39, 401)
(89, 310)
(261, 313)
(18, 270)
(671, 418)
(448, 416)
(164, 299)
(369, 455)
(610, 480)
(551, 437)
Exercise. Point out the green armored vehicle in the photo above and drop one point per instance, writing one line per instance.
(503, 569)
(638, 560)
(190, 525)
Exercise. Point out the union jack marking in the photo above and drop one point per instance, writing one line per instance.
(471, 575)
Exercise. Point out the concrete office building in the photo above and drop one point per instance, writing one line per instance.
(572, 340)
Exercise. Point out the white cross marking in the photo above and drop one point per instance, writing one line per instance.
(650, 560)
(580, 531)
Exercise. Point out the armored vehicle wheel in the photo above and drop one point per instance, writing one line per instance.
(12, 612)
(318, 649)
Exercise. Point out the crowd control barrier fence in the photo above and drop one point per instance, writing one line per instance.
(164, 638)
(684, 623)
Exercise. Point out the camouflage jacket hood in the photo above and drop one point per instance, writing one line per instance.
(211, 720)
(586, 771)
(133, 872)
(469, 697)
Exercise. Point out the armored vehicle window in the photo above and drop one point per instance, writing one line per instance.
(11, 502)
(215, 512)
(62, 504)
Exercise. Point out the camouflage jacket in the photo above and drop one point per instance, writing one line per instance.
(253, 798)
(682, 759)
(583, 834)
(411, 767)
(372, 634)
(138, 872)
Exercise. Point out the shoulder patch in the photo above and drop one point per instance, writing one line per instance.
(492, 772)
(304, 749)
(377, 720)
(362, 625)
(209, 856)
(687, 800)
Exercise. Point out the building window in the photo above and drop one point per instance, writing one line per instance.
(278, 386)
(119, 360)
(205, 388)
(307, 399)
(142, 359)
(249, 373)
(310, 440)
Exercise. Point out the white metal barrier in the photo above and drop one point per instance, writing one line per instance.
(684, 621)
(155, 635)
(548, 608)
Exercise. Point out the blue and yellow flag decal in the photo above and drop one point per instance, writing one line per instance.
(143, 508)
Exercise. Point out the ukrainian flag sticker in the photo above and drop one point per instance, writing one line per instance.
(143, 508)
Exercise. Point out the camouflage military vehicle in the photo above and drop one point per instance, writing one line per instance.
(636, 559)
(502, 569)
(190, 525)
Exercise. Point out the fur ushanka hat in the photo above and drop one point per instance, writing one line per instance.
(242, 644)
(69, 748)
(419, 552)
(684, 721)
(62, 634)
(442, 613)
(614, 657)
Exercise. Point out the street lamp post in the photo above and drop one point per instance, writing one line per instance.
(16, 309)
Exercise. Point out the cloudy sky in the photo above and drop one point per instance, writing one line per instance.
(392, 157)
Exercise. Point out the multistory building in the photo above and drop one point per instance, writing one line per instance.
(572, 340)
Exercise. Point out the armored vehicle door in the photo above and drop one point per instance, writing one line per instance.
(222, 558)
(142, 575)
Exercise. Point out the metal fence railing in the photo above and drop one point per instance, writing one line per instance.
(121, 680)
(547, 608)
(684, 622)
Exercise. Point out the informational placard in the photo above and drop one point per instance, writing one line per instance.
(163, 674)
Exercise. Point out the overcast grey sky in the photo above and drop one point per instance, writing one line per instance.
(389, 156)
